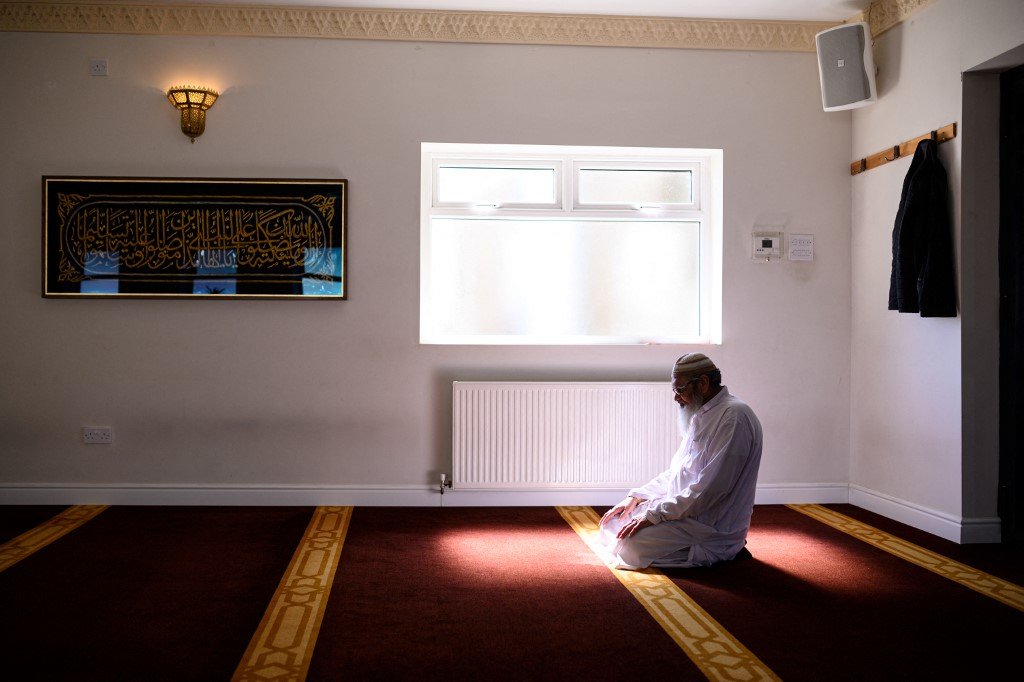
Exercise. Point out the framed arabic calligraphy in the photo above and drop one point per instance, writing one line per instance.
(194, 238)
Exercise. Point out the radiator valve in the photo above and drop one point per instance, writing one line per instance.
(445, 482)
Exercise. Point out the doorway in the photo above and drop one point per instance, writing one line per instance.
(1011, 310)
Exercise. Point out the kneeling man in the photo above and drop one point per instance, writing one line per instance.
(697, 512)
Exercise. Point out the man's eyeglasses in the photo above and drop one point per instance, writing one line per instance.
(681, 391)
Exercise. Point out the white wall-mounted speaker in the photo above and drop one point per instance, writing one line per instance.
(846, 67)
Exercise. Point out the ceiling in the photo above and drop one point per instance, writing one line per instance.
(792, 10)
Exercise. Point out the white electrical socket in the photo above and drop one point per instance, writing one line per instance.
(98, 67)
(97, 434)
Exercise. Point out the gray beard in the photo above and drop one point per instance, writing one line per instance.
(686, 414)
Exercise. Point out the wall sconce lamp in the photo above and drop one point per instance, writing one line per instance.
(193, 102)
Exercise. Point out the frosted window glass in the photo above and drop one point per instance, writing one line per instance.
(635, 186)
(562, 278)
(457, 185)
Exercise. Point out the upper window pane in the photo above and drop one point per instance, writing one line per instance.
(494, 185)
(633, 186)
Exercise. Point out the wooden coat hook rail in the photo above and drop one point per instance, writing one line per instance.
(906, 148)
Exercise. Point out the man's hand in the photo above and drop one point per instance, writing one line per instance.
(633, 527)
(625, 507)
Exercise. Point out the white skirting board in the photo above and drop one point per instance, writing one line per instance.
(366, 495)
(194, 495)
(958, 529)
(961, 530)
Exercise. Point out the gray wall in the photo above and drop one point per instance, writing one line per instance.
(924, 400)
(267, 393)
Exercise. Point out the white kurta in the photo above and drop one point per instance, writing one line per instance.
(701, 505)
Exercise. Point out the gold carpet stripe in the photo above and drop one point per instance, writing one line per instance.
(30, 542)
(979, 581)
(718, 654)
(282, 646)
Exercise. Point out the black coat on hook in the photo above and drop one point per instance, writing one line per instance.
(923, 279)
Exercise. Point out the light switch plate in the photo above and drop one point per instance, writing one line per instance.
(801, 247)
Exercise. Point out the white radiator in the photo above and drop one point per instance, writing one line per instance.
(560, 435)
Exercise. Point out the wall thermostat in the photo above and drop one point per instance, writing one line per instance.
(767, 246)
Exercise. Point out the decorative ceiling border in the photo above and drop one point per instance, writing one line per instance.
(410, 25)
(882, 15)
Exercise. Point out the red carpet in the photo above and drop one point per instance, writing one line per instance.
(153, 593)
(147, 593)
(815, 603)
(17, 519)
(482, 594)
(1005, 561)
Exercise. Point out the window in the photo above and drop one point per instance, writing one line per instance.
(570, 245)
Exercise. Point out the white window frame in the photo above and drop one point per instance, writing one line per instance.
(705, 164)
(480, 161)
(634, 164)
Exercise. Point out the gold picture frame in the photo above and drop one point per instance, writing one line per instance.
(107, 237)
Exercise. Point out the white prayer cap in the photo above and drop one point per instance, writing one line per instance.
(692, 365)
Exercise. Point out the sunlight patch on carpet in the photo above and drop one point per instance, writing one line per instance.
(717, 654)
(812, 560)
(486, 555)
